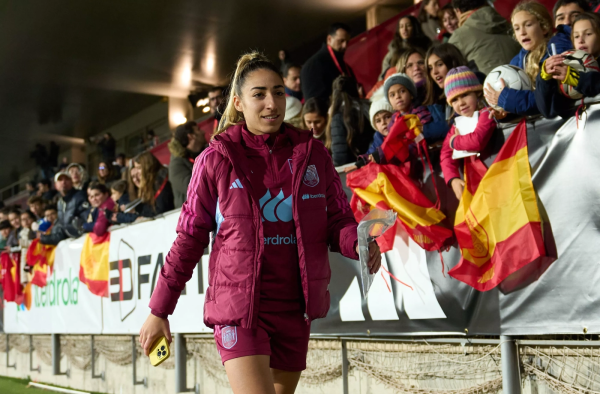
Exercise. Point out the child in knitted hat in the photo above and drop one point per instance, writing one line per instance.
(465, 95)
(380, 114)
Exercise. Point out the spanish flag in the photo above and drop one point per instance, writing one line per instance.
(500, 225)
(388, 187)
(11, 277)
(94, 267)
(41, 258)
(403, 132)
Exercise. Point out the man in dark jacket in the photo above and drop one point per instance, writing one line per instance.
(484, 36)
(71, 204)
(187, 143)
(319, 72)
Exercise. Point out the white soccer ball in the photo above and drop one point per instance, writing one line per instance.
(513, 76)
(582, 62)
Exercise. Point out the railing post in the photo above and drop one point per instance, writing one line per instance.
(56, 357)
(180, 364)
(31, 369)
(344, 367)
(7, 350)
(133, 361)
(94, 376)
(511, 374)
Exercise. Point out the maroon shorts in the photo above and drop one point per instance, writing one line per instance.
(282, 335)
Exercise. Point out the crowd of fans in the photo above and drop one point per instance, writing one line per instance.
(434, 69)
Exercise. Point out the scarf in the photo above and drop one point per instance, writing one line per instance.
(464, 16)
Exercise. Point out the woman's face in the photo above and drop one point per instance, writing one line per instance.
(102, 170)
(76, 175)
(136, 174)
(415, 68)
(437, 70)
(262, 102)
(96, 197)
(405, 28)
(432, 8)
(14, 219)
(528, 30)
(315, 122)
(585, 38)
(450, 21)
(26, 220)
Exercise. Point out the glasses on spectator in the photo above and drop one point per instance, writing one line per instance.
(102, 168)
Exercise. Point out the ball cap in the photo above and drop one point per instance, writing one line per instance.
(59, 174)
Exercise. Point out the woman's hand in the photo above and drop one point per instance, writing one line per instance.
(491, 95)
(374, 257)
(497, 114)
(458, 186)
(154, 328)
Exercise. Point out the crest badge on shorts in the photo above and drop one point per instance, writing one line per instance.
(311, 177)
(228, 337)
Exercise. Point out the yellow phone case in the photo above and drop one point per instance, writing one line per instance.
(159, 352)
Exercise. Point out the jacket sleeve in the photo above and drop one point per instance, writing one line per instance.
(341, 225)
(589, 84)
(196, 221)
(437, 128)
(179, 176)
(102, 223)
(448, 164)
(129, 217)
(550, 101)
(519, 102)
(339, 146)
(478, 139)
(56, 235)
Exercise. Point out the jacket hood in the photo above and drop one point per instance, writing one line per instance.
(488, 20)
(176, 149)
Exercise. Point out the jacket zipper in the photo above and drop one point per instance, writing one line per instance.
(296, 191)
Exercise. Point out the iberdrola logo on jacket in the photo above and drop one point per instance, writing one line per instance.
(275, 209)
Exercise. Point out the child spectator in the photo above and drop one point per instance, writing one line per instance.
(293, 112)
(27, 234)
(5, 229)
(118, 193)
(314, 115)
(401, 91)
(97, 221)
(464, 94)
(532, 27)
(551, 102)
(450, 23)
(409, 35)
(348, 132)
(37, 205)
(380, 115)
(78, 175)
(14, 217)
(430, 19)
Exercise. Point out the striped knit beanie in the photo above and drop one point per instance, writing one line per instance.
(460, 80)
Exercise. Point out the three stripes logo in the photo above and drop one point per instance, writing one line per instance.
(236, 185)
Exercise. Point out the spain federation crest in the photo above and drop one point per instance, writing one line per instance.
(311, 177)
(228, 337)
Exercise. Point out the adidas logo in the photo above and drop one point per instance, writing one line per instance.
(236, 185)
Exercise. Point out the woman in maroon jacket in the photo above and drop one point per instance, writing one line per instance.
(275, 204)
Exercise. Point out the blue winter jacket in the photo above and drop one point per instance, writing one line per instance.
(437, 129)
(523, 102)
(377, 142)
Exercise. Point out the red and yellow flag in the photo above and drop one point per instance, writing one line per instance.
(500, 224)
(388, 187)
(11, 277)
(404, 131)
(94, 267)
(41, 258)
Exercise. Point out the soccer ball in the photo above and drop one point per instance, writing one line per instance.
(514, 78)
(582, 62)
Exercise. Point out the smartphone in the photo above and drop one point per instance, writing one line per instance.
(159, 352)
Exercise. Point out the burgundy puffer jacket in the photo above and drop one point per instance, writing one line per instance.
(320, 211)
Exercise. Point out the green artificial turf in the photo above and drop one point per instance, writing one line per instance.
(19, 386)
